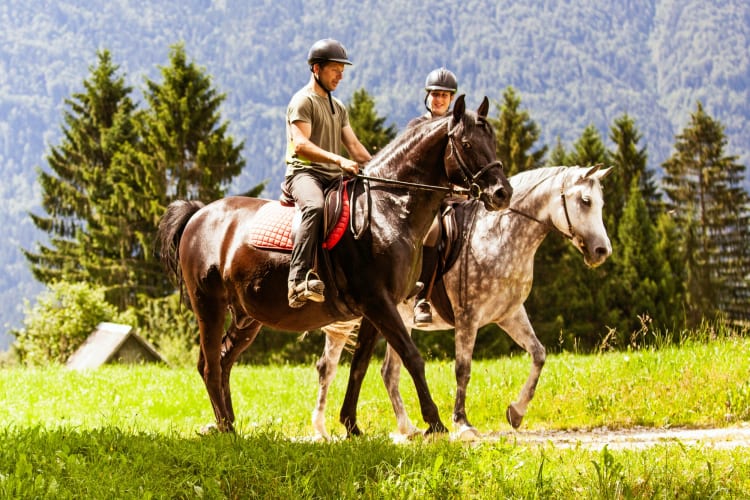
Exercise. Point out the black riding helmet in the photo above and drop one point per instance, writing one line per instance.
(323, 51)
(440, 79)
(327, 50)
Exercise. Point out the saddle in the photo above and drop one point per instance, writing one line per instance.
(274, 226)
(453, 222)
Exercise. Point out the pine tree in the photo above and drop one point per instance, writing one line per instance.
(638, 267)
(98, 125)
(589, 149)
(558, 156)
(185, 153)
(366, 123)
(710, 207)
(567, 296)
(629, 163)
(516, 134)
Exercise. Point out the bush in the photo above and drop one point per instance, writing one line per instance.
(64, 316)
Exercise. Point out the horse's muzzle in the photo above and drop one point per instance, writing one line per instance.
(498, 200)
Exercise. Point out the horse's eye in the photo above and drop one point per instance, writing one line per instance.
(466, 144)
(586, 200)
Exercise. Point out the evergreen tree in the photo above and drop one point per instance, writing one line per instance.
(711, 209)
(629, 163)
(589, 149)
(185, 153)
(98, 125)
(558, 156)
(516, 134)
(568, 300)
(638, 267)
(366, 123)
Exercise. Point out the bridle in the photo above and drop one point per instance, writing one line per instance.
(571, 234)
(468, 177)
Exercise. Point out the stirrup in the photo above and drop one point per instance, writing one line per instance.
(311, 289)
(422, 313)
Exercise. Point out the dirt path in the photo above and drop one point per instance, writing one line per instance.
(634, 438)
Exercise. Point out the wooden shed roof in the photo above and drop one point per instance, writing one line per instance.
(113, 343)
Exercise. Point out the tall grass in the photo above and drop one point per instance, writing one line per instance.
(131, 432)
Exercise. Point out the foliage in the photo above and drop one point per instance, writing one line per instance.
(516, 134)
(367, 125)
(712, 212)
(97, 126)
(646, 58)
(62, 319)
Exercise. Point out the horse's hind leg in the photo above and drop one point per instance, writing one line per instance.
(240, 335)
(210, 311)
(391, 374)
(520, 330)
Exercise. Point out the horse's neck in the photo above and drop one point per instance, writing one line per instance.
(417, 160)
(535, 206)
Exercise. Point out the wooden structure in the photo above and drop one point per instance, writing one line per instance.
(113, 343)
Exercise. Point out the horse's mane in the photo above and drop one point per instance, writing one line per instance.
(396, 150)
(525, 181)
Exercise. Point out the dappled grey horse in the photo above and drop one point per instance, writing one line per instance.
(490, 281)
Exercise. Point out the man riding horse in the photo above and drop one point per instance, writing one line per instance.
(317, 126)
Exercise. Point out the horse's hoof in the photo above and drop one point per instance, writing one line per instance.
(467, 433)
(438, 428)
(320, 438)
(208, 429)
(514, 418)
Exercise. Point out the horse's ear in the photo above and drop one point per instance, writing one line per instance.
(484, 107)
(592, 170)
(459, 108)
(604, 173)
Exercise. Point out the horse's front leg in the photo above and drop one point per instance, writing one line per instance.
(392, 327)
(337, 336)
(366, 339)
(520, 330)
(391, 373)
(466, 336)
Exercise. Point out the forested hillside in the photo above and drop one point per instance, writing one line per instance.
(573, 63)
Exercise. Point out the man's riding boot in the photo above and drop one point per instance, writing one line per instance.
(422, 307)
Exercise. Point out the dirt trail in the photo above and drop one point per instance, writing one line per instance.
(634, 438)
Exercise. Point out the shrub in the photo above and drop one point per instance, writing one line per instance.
(63, 317)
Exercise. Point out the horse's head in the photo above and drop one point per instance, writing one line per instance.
(582, 208)
(471, 158)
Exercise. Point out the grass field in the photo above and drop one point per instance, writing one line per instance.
(131, 432)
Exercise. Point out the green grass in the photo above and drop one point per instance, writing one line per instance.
(131, 432)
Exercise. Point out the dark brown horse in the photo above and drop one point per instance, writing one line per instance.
(365, 275)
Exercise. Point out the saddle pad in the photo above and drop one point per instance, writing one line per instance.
(272, 226)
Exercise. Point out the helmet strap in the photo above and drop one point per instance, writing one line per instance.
(317, 80)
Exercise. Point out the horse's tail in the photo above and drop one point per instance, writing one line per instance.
(168, 236)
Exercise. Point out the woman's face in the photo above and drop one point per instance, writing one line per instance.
(439, 102)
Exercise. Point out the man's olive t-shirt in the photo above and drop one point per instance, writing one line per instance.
(325, 127)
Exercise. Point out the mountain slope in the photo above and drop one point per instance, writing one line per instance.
(574, 63)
